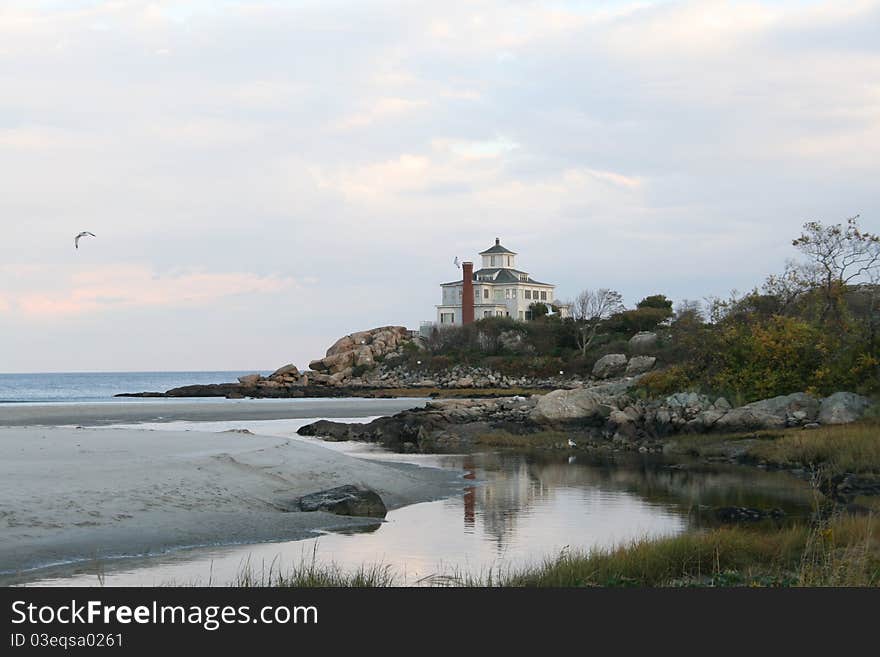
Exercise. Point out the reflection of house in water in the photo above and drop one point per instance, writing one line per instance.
(470, 495)
(513, 489)
(507, 492)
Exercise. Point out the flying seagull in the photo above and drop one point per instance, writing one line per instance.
(455, 262)
(80, 236)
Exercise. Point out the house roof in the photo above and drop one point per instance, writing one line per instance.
(497, 249)
(500, 275)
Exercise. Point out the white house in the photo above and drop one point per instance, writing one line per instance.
(498, 289)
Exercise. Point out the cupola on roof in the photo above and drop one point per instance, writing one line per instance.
(497, 249)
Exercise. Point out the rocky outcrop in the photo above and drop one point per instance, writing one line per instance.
(361, 349)
(604, 414)
(441, 426)
(843, 407)
(609, 366)
(344, 501)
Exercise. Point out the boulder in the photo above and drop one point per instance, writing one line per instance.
(722, 404)
(327, 430)
(789, 405)
(748, 418)
(610, 365)
(639, 365)
(250, 379)
(622, 424)
(690, 401)
(843, 407)
(345, 501)
(578, 405)
(288, 370)
(643, 342)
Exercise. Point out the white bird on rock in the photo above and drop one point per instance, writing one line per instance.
(571, 443)
(85, 233)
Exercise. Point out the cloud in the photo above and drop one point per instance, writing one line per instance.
(115, 287)
(381, 110)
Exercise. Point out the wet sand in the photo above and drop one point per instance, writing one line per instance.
(79, 494)
(159, 410)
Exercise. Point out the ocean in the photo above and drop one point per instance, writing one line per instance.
(75, 387)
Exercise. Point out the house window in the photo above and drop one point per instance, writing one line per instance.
(487, 313)
(476, 295)
(494, 261)
(447, 318)
(521, 316)
(485, 292)
(543, 296)
(528, 315)
(499, 313)
(528, 294)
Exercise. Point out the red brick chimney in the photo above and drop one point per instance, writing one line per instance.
(467, 293)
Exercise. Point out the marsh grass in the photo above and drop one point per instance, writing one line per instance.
(839, 448)
(538, 439)
(837, 551)
(311, 573)
(834, 448)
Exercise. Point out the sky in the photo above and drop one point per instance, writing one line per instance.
(266, 176)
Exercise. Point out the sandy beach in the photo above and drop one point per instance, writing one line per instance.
(156, 410)
(79, 494)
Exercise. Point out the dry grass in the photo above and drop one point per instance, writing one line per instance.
(842, 448)
(842, 552)
(542, 439)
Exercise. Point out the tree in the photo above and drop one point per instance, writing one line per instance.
(656, 301)
(689, 310)
(841, 254)
(589, 309)
(538, 310)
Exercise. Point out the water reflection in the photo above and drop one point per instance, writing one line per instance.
(514, 509)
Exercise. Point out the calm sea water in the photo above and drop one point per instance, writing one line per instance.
(99, 386)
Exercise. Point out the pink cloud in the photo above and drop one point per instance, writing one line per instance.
(130, 286)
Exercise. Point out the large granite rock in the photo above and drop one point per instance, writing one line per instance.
(361, 349)
(791, 410)
(843, 407)
(250, 379)
(609, 366)
(639, 365)
(345, 501)
(564, 406)
(643, 342)
(289, 370)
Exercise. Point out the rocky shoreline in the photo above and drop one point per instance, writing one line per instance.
(373, 363)
(605, 416)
